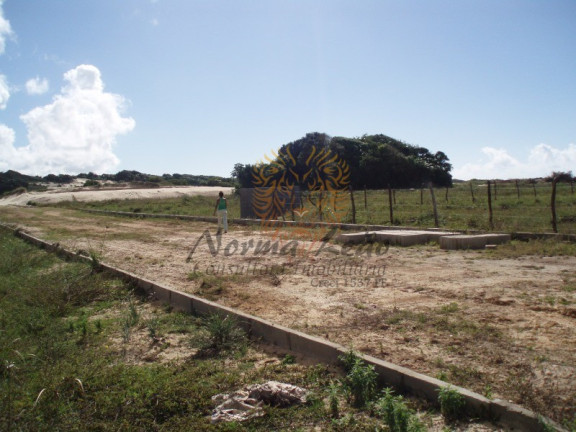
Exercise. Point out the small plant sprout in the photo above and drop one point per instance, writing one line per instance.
(94, 260)
(488, 394)
(134, 316)
(153, 325)
(288, 359)
(333, 400)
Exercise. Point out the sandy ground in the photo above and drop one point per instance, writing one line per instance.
(74, 192)
(504, 328)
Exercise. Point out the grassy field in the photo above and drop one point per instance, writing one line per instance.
(463, 207)
(82, 351)
(197, 205)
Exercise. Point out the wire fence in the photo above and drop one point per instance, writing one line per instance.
(486, 206)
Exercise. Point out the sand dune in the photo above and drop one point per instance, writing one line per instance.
(72, 193)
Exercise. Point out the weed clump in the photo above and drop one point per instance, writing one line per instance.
(219, 334)
(360, 382)
(396, 413)
(452, 403)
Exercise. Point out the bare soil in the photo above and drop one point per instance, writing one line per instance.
(502, 327)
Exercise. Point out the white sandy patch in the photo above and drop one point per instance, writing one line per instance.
(80, 194)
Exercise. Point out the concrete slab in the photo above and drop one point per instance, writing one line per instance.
(478, 241)
(496, 239)
(434, 236)
(456, 242)
(401, 238)
(357, 238)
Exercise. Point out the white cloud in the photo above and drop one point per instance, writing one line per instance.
(74, 133)
(4, 92)
(5, 29)
(7, 151)
(37, 86)
(541, 161)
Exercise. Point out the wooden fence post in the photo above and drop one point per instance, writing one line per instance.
(365, 199)
(553, 204)
(353, 205)
(534, 188)
(472, 193)
(421, 196)
(390, 205)
(446, 194)
(292, 204)
(335, 202)
(517, 189)
(436, 224)
(491, 218)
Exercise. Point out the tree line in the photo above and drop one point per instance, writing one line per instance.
(11, 180)
(373, 162)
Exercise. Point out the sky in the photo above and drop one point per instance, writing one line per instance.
(196, 86)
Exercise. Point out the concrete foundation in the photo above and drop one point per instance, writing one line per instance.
(393, 237)
(496, 239)
(357, 238)
(462, 242)
(402, 238)
(480, 241)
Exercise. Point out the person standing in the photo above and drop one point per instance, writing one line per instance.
(222, 209)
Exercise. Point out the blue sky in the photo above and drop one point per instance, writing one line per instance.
(195, 86)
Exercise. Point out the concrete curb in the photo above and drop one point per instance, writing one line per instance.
(401, 378)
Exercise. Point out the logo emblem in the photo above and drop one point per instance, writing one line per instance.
(301, 184)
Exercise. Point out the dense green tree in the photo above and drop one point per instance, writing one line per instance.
(11, 180)
(373, 161)
(130, 176)
(60, 178)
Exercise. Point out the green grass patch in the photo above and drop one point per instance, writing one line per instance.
(196, 205)
(535, 247)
